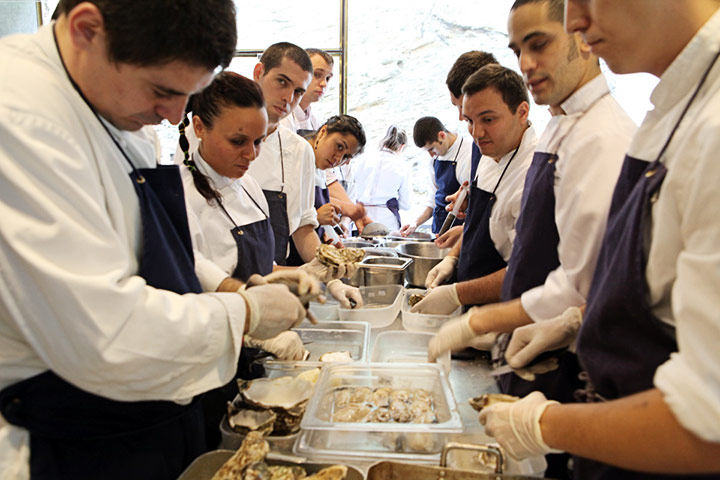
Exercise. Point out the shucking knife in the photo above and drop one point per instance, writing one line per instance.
(539, 359)
(462, 193)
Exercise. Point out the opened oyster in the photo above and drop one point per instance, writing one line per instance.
(331, 357)
(330, 256)
(286, 397)
(253, 450)
(383, 405)
(245, 420)
(415, 298)
(487, 399)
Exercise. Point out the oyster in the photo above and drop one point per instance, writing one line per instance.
(330, 256)
(415, 298)
(343, 356)
(341, 398)
(380, 415)
(361, 395)
(425, 417)
(352, 413)
(381, 397)
(336, 472)
(245, 420)
(253, 450)
(400, 412)
(286, 473)
(287, 397)
(419, 407)
(422, 394)
(487, 399)
(399, 395)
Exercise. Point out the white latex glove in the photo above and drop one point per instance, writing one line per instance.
(273, 308)
(286, 346)
(325, 273)
(516, 425)
(442, 300)
(454, 335)
(531, 340)
(441, 272)
(343, 293)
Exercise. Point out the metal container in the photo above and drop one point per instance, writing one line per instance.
(425, 256)
(356, 243)
(380, 252)
(415, 237)
(205, 466)
(384, 270)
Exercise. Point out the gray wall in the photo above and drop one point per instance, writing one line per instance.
(18, 16)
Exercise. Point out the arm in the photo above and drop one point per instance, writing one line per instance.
(424, 216)
(481, 290)
(306, 242)
(499, 317)
(349, 208)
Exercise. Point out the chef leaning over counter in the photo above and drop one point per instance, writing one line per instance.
(103, 334)
(656, 380)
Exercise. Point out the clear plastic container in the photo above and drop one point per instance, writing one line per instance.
(405, 347)
(322, 437)
(422, 322)
(381, 306)
(325, 312)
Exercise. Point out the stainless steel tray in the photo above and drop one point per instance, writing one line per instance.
(385, 263)
(205, 466)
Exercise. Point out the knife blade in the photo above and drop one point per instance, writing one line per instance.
(501, 370)
(450, 219)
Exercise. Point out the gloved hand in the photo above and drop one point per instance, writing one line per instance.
(343, 293)
(516, 425)
(408, 229)
(285, 346)
(442, 300)
(441, 272)
(325, 273)
(531, 340)
(449, 238)
(273, 308)
(299, 282)
(454, 335)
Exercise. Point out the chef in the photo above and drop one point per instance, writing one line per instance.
(495, 105)
(302, 119)
(285, 167)
(450, 153)
(566, 198)
(382, 180)
(105, 340)
(656, 408)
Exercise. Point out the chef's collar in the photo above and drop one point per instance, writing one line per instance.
(584, 97)
(219, 181)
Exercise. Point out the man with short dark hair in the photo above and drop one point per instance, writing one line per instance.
(106, 340)
(302, 118)
(451, 155)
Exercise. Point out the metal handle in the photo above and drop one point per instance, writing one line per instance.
(475, 448)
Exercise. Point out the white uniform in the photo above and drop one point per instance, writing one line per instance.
(506, 209)
(378, 177)
(70, 299)
(460, 151)
(590, 141)
(299, 165)
(214, 246)
(683, 267)
(301, 119)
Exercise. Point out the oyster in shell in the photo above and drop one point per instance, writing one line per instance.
(381, 397)
(361, 395)
(244, 420)
(329, 357)
(399, 395)
(400, 412)
(341, 397)
(487, 399)
(330, 256)
(336, 472)
(380, 415)
(253, 450)
(415, 298)
(287, 397)
(352, 413)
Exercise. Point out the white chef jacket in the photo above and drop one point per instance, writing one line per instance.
(301, 119)
(380, 176)
(590, 141)
(461, 149)
(299, 165)
(70, 299)
(509, 193)
(213, 243)
(683, 266)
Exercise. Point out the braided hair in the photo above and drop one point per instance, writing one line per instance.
(228, 89)
(343, 124)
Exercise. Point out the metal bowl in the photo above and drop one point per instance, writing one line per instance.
(425, 256)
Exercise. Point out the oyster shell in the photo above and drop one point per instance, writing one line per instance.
(380, 415)
(336, 472)
(330, 256)
(253, 450)
(352, 413)
(244, 420)
(287, 397)
(381, 397)
(361, 395)
(286, 473)
(415, 298)
(329, 357)
(400, 412)
(341, 398)
(487, 399)
(399, 395)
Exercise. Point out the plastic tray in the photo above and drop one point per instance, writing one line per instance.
(405, 347)
(422, 322)
(382, 305)
(325, 312)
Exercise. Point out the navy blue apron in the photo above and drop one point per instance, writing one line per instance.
(254, 244)
(447, 184)
(78, 435)
(478, 255)
(533, 257)
(277, 203)
(622, 343)
(322, 197)
(394, 206)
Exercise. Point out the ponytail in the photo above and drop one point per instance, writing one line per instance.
(394, 139)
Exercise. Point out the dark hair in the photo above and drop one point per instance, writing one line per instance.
(394, 138)
(556, 8)
(507, 82)
(345, 124)
(228, 89)
(273, 55)
(426, 130)
(148, 33)
(325, 56)
(465, 65)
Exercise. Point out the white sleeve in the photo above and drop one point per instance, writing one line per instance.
(404, 192)
(690, 380)
(68, 283)
(464, 165)
(429, 200)
(307, 188)
(208, 272)
(587, 171)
